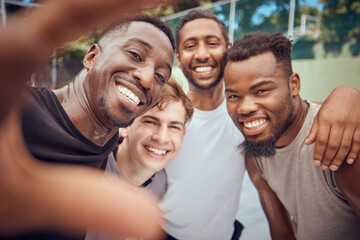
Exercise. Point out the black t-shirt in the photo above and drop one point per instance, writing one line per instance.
(51, 136)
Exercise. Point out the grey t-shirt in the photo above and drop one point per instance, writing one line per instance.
(157, 184)
(315, 210)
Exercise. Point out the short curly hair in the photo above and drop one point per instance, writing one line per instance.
(196, 14)
(257, 43)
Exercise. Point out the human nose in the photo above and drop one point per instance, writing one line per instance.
(246, 106)
(202, 53)
(161, 135)
(146, 76)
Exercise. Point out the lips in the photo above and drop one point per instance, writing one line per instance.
(255, 126)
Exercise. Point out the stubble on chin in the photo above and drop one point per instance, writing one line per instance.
(110, 118)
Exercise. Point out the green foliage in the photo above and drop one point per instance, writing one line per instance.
(340, 20)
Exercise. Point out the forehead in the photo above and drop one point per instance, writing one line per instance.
(145, 32)
(174, 111)
(256, 68)
(200, 28)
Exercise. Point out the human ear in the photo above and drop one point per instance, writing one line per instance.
(89, 58)
(124, 132)
(229, 45)
(294, 84)
(178, 63)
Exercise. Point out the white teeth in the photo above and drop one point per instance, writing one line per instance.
(254, 124)
(129, 94)
(156, 151)
(203, 69)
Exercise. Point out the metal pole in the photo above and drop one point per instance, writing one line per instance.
(54, 71)
(291, 19)
(3, 13)
(232, 20)
(303, 24)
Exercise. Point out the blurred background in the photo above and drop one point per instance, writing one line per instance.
(326, 54)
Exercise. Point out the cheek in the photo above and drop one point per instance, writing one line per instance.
(186, 57)
(231, 109)
(156, 93)
(178, 140)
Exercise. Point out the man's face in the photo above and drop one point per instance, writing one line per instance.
(155, 138)
(258, 101)
(200, 49)
(127, 73)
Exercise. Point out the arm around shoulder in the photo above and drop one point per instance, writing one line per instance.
(280, 226)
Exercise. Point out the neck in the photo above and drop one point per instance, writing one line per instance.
(73, 99)
(130, 169)
(209, 99)
(300, 109)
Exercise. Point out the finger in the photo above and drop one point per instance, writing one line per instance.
(355, 148)
(312, 135)
(332, 146)
(321, 141)
(343, 150)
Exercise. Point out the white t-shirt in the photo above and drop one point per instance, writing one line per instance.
(205, 179)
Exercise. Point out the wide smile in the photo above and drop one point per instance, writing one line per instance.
(129, 94)
(156, 152)
(204, 71)
(254, 127)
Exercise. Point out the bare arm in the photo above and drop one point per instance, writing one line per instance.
(280, 226)
(348, 178)
(336, 131)
(38, 195)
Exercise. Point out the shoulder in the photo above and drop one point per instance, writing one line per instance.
(347, 179)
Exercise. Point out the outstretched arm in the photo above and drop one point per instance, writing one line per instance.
(336, 129)
(38, 195)
(280, 226)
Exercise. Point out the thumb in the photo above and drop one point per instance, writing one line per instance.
(312, 134)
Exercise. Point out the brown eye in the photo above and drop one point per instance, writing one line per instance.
(137, 56)
(162, 79)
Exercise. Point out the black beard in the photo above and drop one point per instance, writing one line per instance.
(260, 149)
(266, 148)
(215, 83)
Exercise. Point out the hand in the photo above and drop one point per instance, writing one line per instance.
(66, 198)
(38, 195)
(336, 129)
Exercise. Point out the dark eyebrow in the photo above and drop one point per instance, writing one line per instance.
(206, 37)
(169, 67)
(230, 90)
(260, 84)
(141, 42)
